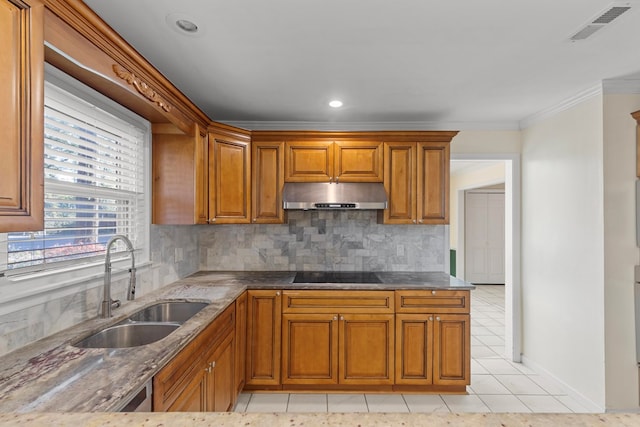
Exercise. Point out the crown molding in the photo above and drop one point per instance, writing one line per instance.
(370, 126)
(566, 104)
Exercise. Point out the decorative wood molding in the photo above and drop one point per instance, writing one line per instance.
(79, 18)
(143, 88)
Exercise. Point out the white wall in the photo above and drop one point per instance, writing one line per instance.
(479, 143)
(620, 251)
(563, 248)
(482, 176)
(486, 141)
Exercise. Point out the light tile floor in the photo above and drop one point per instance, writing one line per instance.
(497, 384)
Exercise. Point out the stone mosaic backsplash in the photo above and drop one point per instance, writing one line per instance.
(312, 240)
(57, 311)
(324, 241)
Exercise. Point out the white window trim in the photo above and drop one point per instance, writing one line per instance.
(27, 288)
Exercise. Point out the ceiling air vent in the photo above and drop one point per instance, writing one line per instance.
(601, 20)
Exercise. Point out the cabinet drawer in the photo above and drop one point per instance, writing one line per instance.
(338, 301)
(432, 301)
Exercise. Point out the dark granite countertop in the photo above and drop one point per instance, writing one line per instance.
(51, 375)
(284, 280)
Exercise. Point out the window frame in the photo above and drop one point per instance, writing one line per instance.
(85, 267)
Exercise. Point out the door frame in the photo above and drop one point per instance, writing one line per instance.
(512, 221)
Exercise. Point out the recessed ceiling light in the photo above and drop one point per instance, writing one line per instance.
(335, 103)
(186, 25)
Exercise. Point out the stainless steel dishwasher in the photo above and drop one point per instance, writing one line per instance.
(141, 402)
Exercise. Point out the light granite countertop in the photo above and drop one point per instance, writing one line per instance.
(231, 419)
(51, 375)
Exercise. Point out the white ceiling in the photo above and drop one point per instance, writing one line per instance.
(414, 64)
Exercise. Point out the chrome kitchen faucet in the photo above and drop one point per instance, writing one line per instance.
(107, 302)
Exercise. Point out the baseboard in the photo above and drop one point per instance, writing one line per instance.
(590, 405)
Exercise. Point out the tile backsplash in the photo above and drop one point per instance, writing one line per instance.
(323, 240)
(24, 322)
(312, 240)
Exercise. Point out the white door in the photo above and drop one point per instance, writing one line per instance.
(484, 237)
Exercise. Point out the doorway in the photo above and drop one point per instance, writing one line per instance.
(510, 164)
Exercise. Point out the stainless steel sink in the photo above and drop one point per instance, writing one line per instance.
(128, 335)
(168, 311)
(145, 326)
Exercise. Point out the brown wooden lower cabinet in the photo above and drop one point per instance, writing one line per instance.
(241, 341)
(366, 349)
(220, 376)
(264, 317)
(310, 349)
(451, 349)
(314, 340)
(433, 337)
(201, 377)
(337, 338)
(352, 349)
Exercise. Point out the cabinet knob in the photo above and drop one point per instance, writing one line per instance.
(438, 318)
(430, 318)
(414, 221)
(337, 177)
(335, 317)
(341, 317)
(212, 364)
(419, 221)
(254, 220)
(278, 293)
(433, 292)
(212, 220)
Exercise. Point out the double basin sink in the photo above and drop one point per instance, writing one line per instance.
(145, 326)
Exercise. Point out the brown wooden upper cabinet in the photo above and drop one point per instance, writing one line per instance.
(179, 175)
(330, 160)
(229, 176)
(267, 181)
(21, 115)
(416, 178)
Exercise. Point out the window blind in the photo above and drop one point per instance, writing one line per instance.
(94, 171)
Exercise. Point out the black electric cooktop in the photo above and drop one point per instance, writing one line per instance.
(336, 277)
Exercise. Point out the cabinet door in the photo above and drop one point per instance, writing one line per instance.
(264, 320)
(21, 115)
(433, 183)
(358, 161)
(452, 355)
(366, 349)
(220, 376)
(267, 182)
(193, 397)
(179, 381)
(414, 349)
(400, 182)
(309, 161)
(179, 170)
(241, 342)
(309, 349)
(229, 180)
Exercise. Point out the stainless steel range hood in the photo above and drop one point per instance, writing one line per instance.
(325, 195)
